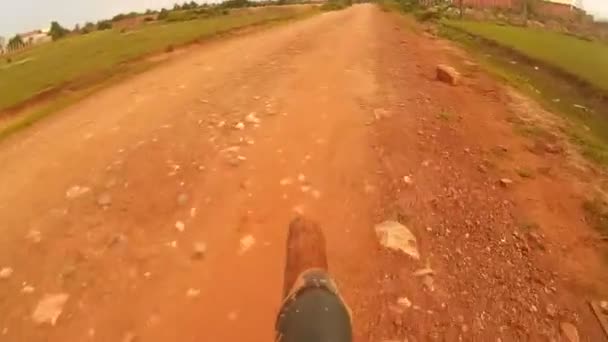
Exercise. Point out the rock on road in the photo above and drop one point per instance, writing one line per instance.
(160, 205)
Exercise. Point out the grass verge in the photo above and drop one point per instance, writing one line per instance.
(55, 75)
(584, 108)
(581, 58)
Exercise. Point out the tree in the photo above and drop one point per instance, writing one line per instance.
(177, 7)
(104, 25)
(164, 14)
(15, 43)
(88, 28)
(529, 7)
(461, 8)
(57, 31)
(77, 28)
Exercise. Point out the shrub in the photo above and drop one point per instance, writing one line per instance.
(335, 5)
(104, 25)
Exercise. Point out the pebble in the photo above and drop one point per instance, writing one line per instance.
(505, 182)
(246, 243)
(50, 308)
(423, 272)
(301, 178)
(193, 212)
(604, 307)
(569, 331)
(200, 248)
(252, 118)
(428, 282)
(551, 310)
(180, 226)
(408, 180)
(305, 188)
(6, 273)
(316, 194)
(76, 191)
(104, 200)
(404, 302)
(182, 199)
(285, 181)
(27, 289)
(193, 293)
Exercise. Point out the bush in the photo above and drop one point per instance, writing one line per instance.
(169, 48)
(181, 16)
(335, 5)
(104, 25)
(164, 14)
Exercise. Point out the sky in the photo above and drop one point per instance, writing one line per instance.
(26, 15)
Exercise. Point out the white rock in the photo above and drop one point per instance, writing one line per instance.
(408, 180)
(505, 182)
(305, 188)
(286, 181)
(252, 118)
(76, 191)
(28, 289)
(393, 235)
(6, 273)
(50, 308)
(193, 212)
(301, 178)
(404, 302)
(193, 293)
(423, 272)
(180, 226)
(200, 248)
(239, 126)
(569, 331)
(246, 243)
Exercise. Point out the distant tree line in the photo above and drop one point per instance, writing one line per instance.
(179, 12)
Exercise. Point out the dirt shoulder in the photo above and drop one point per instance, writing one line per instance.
(512, 260)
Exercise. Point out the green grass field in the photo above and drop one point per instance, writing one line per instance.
(585, 59)
(99, 55)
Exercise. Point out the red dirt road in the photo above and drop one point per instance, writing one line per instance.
(347, 106)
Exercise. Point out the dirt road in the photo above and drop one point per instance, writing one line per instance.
(160, 205)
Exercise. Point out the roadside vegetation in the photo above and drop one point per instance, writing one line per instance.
(561, 83)
(39, 80)
(582, 58)
(335, 5)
